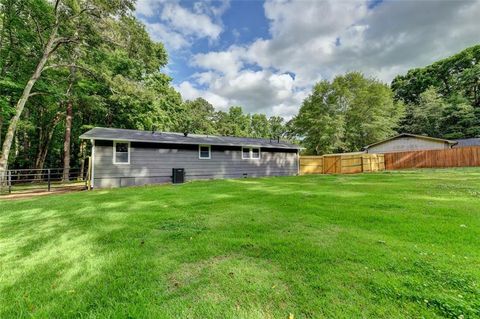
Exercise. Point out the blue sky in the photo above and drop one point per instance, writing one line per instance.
(242, 22)
(266, 55)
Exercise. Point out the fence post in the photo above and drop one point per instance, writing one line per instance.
(9, 182)
(48, 178)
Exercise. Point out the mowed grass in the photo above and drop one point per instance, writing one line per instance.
(386, 245)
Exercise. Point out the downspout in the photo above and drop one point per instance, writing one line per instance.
(93, 163)
(298, 162)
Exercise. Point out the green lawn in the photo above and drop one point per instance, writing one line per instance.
(386, 245)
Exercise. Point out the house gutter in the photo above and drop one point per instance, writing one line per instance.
(93, 164)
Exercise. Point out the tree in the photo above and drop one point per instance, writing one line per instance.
(233, 123)
(343, 116)
(468, 82)
(427, 116)
(136, 57)
(260, 126)
(197, 117)
(456, 80)
(69, 23)
(449, 76)
(459, 119)
(320, 122)
(276, 127)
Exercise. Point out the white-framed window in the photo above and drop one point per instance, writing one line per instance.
(245, 152)
(255, 153)
(251, 153)
(121, 152)
(204, 151)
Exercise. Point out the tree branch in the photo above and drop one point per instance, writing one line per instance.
(37, 93)
(57, 2)
(57, 20)
(37, 26)
(59, 41)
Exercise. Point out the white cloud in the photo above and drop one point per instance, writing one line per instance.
(319, 39)
(176, 26)
(189, 92)
(171, 39)
(147, 8)
(212, 9)
(256, 91)
(226, 62)
(190, 23)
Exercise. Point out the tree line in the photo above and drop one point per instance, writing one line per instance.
(68, 66)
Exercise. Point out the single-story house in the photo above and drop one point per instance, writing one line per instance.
(408, 142)
(122, 157)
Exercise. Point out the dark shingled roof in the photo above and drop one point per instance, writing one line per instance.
(113, 134)
(468, 142)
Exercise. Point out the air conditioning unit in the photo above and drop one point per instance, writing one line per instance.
(178, 175)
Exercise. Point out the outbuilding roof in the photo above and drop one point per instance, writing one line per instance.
(463, 142)
(114, 134)
(441, 140)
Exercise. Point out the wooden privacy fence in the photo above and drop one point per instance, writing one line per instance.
(341, 163)
(454, 157)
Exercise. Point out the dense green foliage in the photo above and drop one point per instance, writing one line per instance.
(199, 116)
(346, 114)
(443, 99)
(383, 245)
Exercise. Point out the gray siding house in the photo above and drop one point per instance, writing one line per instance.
(123, 157)
(406, 142)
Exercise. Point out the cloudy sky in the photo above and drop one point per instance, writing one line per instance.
(265, 55)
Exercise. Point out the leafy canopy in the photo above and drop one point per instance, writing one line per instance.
(346, 114)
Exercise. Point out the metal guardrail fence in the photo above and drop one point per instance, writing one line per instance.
(25, 180)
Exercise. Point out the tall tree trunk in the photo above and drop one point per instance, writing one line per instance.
(12, 127)
(41, 145)
(1, 127)
(45, 142)
(68, 127)
(66, 142)
(42, 156)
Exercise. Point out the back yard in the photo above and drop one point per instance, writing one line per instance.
(395, 244)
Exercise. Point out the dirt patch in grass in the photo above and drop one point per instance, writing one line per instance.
(43, 192)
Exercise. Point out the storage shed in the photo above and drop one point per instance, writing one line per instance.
(408, 142)
(122, 157)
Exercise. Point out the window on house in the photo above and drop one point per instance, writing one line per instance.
(255, 153)
(121, 154)
(250, 152)
(245, 152)
(204, 151)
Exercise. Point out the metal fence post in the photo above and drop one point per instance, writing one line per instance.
(48, 179)
(9, 182)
